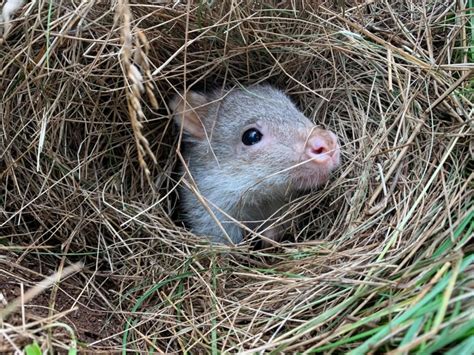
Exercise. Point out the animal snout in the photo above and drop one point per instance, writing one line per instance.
(322, 147)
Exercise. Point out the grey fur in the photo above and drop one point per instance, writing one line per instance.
(248, 185)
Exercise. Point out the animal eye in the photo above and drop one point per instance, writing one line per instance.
(252, 136)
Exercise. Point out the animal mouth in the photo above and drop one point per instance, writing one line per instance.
(312, 173)
(307, 178)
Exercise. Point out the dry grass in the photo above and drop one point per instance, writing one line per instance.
(381, 258)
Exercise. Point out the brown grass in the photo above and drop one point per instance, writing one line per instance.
(87, 151)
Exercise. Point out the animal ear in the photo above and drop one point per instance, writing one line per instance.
(190, 111)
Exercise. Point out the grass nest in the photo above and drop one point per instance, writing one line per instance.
(380, 259)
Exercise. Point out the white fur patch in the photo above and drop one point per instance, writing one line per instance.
(10, 7)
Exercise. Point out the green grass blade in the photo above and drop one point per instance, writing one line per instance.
(398, 321)
(465, 348)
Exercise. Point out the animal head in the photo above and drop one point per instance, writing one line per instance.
(256, 138)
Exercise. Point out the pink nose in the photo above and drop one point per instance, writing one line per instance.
(322, 147)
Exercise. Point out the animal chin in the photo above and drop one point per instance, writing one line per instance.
(305, 179)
